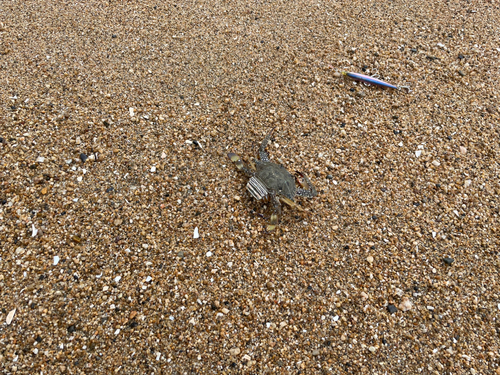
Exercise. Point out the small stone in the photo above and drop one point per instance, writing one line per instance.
(153, 169)
(391, 308)
(225, 311)
(418, 153)
(10, 316)
(405, 305)
(209, 254)
(463, 150)
(40, 159)
(369, 259)
(315, 352)
(71, 328)
(269, 285)
(329, 177)
(246, 358)
(44, 191)
(163, 155)
(118, 222)
(56, 260)
(436, 163)
(196, 233)
(372, 349)
(448, 261)
(83, 157)
(234, 351)
(467, 183)
(180, 254)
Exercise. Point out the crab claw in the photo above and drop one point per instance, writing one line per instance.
(301, 182)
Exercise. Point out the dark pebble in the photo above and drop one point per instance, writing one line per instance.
(2, 140)
(38, 339)
(83, 157)
(392, 309)
(329, 176)
(109, 190)
(113, 36)
(448, 261)
(71, 328)
(414, 50)
(461, 57)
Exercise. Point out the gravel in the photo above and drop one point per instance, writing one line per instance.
(151, 257)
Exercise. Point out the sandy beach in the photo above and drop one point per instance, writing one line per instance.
(130, 245)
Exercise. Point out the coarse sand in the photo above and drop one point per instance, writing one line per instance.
(129, 244)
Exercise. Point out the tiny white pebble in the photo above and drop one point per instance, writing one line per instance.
(117, 279)
(40, 159)
(117, 331)
(10, 316)
(79, 178)
(163, 155)
(153, 169)
(430, 308)
(196, 233)
(171, 317)
(131, 111)
(209, 253)
(418, 153)
(148, 279)
(336, 318)
(34, 231)
(56, 260)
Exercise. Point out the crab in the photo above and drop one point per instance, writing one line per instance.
(271, 182)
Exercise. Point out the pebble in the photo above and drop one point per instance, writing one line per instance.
(448, 261)
(209, 254)
(372, 349)
(83, 157)
(463, 150)
(369, 259)
(40, 159)
(234, 351)
(56, 260)
(392, 309)
(405, 304)
(10, 316)
(153, 169)
(196, 233)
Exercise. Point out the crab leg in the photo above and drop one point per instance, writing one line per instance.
(263, 155)
(291, 203)
(239, 164)
(276, 214)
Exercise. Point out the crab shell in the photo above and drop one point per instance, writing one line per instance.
(271, 177)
